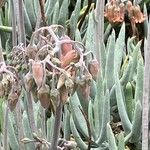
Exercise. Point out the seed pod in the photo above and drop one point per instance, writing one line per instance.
(93, 68)
(38, 73)
(44, 96)
(29, 81)
(2, 90)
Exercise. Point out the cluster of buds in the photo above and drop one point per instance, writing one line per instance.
(134, 13)
(115, 11)
(10, 86)
(56, 66)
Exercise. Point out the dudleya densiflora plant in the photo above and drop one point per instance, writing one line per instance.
(50, 68)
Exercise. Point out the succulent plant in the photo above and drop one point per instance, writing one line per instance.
(70, 79)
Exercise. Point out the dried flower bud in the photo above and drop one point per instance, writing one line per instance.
(38, 72)
(13, 99)
(61, 81)
(2, 90)
(93, 68)
(44, 96)
(28, 80)
(7, 84)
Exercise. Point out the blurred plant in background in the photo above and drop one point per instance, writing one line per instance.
(69, 80)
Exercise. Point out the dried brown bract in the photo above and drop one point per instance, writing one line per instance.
(29, 81)
(44, 96)
(13, 96)
(93, 68)
(38, 72)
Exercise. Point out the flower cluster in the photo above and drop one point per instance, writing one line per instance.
(56, 65)
(134, 13)
(115, 11)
